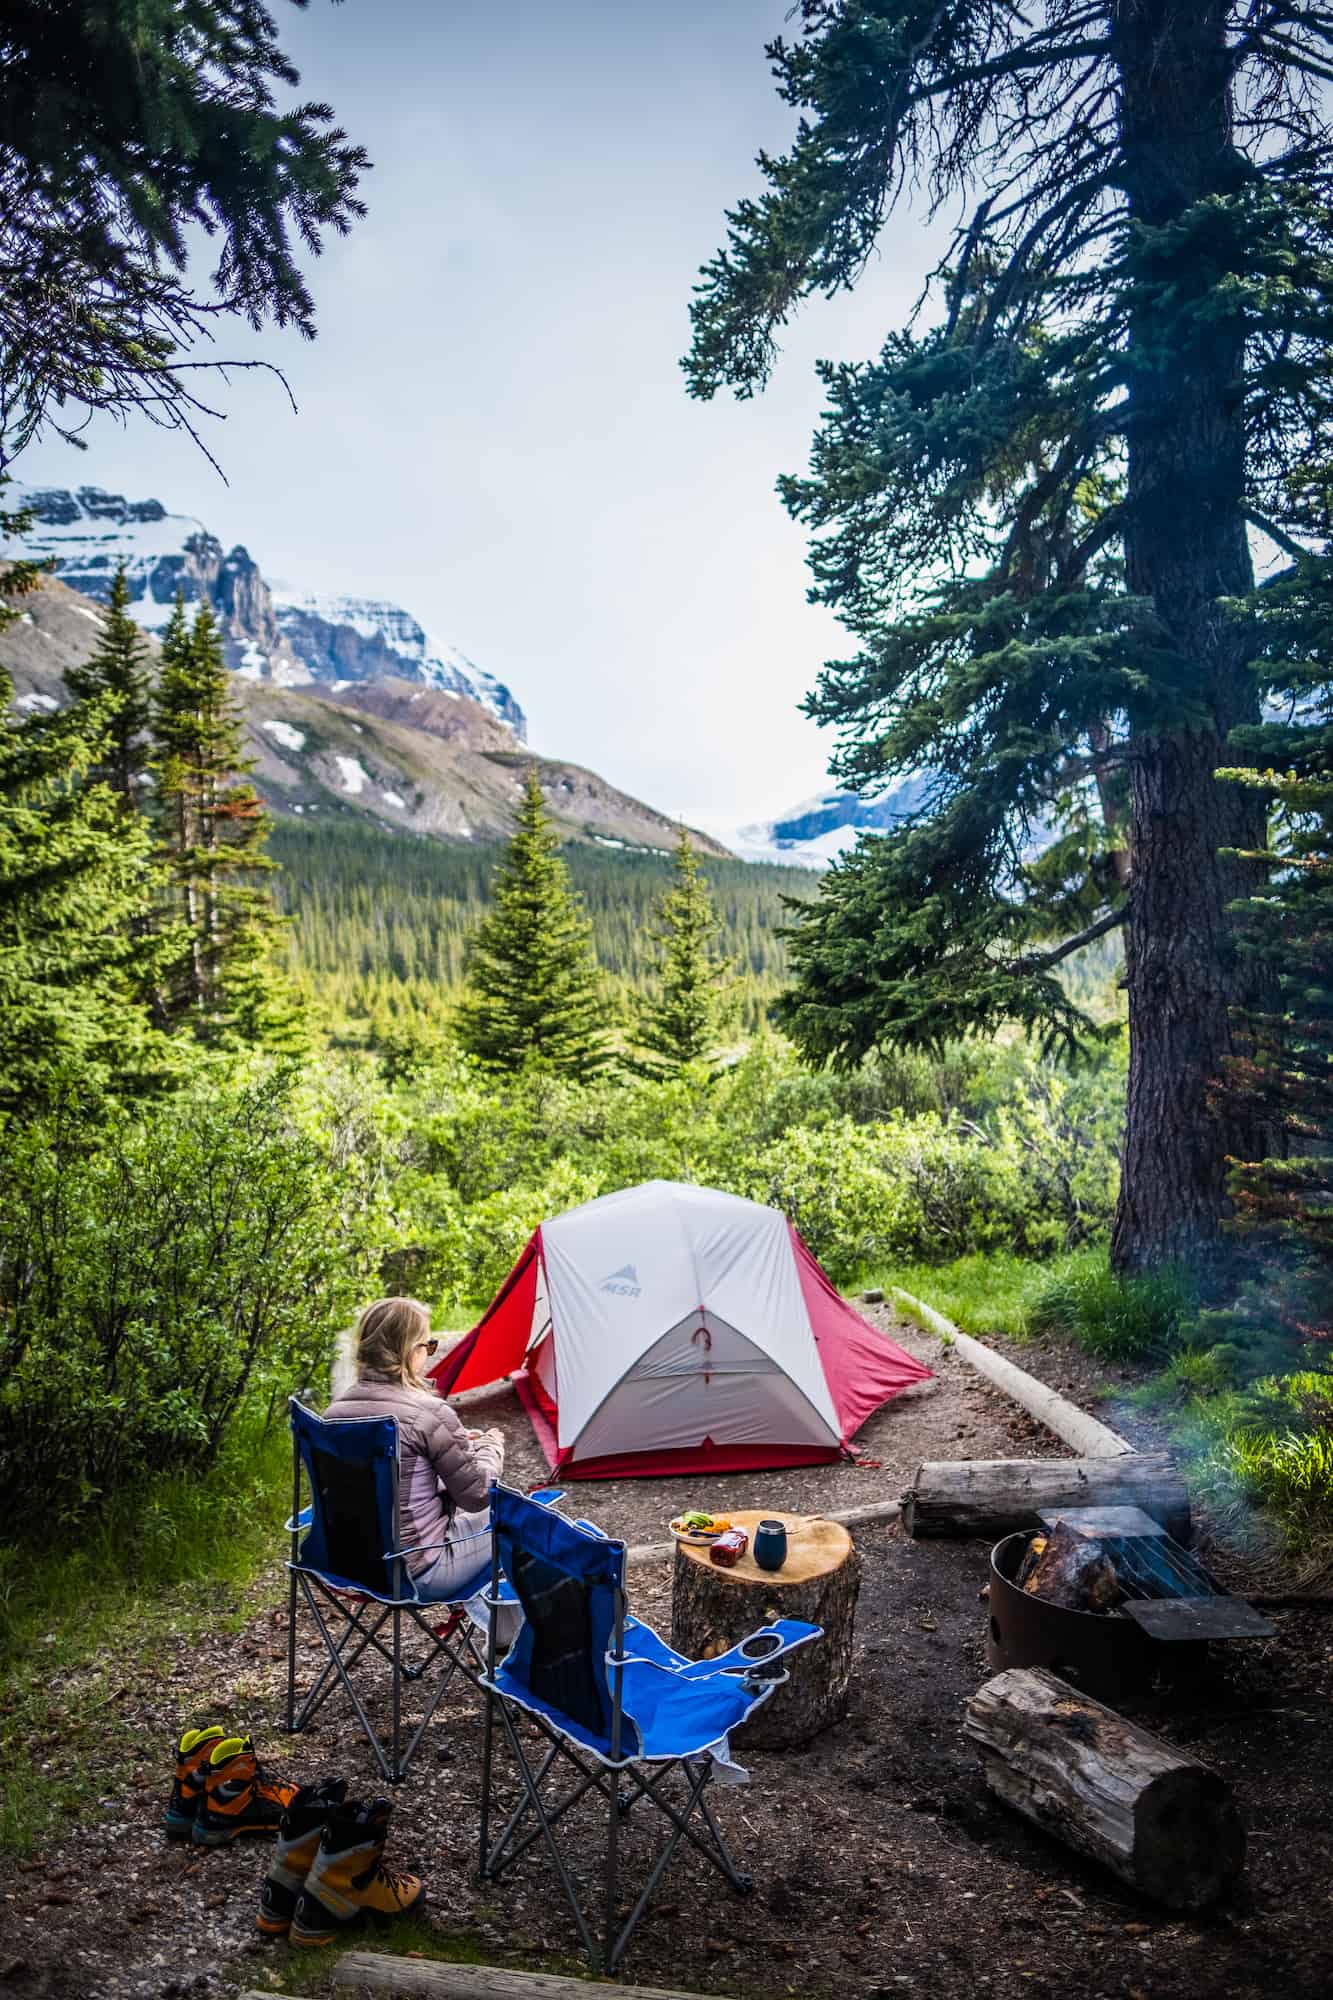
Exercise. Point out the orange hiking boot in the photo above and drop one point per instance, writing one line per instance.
(298, 1843)
(348, 1881)
(238, 1798)
(187, 1790)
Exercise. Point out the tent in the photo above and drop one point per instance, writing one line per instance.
(671, 1328)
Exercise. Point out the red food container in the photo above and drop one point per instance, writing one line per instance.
(729, 1548)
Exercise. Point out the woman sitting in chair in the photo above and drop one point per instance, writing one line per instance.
(444, 1471)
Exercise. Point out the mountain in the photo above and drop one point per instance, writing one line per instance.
(273, 635)
(815, 832)
(393, 752)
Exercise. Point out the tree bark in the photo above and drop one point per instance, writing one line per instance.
(1185, 549)
(1162, 1822)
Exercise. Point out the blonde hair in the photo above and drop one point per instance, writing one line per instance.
(387, 1334)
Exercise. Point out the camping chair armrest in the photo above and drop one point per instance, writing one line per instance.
(681, 1677)
(790, 1633)
(302, 1520)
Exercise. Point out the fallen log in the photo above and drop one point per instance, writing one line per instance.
(997, 1496)
(443, 1979)
(1161, 1821)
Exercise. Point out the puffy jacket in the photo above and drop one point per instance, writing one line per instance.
(434, 1452)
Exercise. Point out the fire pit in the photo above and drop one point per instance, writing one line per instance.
(1169, 1608)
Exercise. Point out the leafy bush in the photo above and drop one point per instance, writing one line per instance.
(895, 1162)
(162, 1273)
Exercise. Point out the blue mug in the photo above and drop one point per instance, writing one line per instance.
(769, 1547)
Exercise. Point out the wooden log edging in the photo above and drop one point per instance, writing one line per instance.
(1159, 1820)
(443, 1979)
(1074, 1427)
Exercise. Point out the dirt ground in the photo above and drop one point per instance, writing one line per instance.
(882, 1866)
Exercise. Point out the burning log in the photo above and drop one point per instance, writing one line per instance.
(1067, 1568)
(1162, 1822)
(997, 1496)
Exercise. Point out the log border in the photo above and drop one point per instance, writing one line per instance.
(1085, 1436)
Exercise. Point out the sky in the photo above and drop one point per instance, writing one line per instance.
(492, 427)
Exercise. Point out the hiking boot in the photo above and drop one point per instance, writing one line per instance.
(348, 1881)
(187, 1789)
(298, 1842)
(238, 1798)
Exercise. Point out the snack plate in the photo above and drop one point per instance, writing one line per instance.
(699, 1538)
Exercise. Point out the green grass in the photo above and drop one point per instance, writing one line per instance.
(1259, 1454)
(86, 1611)
(985, 1294)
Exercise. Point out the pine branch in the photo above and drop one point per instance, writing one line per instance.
(1042, 961)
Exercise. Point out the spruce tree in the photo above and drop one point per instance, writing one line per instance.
(117, 676)
(127, 129)
(532, 992)
(677, 1025)
(212, 830)
(74, 876)
(1032, 513)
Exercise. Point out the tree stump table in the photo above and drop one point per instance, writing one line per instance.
(713, 1608)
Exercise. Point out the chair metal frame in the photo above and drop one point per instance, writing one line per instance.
(622, 1779)
(364, 1613)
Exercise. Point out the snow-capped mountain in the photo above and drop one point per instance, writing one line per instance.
(367, 638)
(818, 830)
(282, 637)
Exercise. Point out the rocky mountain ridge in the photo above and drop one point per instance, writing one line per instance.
(419, 759)
(270, 633)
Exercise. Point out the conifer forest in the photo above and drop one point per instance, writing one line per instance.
(1046, 1049)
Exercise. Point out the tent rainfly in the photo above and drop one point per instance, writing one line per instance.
(672, 1328)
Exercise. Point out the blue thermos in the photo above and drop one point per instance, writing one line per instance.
(770, 1545)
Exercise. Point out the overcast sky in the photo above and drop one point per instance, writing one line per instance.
(493, 430)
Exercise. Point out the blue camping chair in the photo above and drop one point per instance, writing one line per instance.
(350, 1563)
(613, 1700)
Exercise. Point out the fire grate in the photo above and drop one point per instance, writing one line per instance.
(1167, 1591)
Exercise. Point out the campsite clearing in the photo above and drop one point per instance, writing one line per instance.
(884, 1866)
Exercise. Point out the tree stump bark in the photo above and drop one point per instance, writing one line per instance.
(713, 1608)
(1162, 1822)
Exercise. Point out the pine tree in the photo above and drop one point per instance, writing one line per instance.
(678, 1025)
(117, 676)
(533, 992)
(1032, 511)
(1283, 1204)
(74, 876)
(126, 129)
(212, 831)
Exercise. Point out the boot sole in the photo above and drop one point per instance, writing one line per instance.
(273, 1927)
(176, 1828)
(379, 1919)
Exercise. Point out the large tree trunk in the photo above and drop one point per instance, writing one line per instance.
(1186, 549)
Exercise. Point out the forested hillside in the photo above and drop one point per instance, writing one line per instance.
(376, 915)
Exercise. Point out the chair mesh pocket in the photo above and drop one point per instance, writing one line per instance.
(556, 1606)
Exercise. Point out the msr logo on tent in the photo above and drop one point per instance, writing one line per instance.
(624, 1283)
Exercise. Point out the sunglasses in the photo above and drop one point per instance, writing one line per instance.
(431, 1346)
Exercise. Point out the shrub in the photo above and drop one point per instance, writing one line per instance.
(159, 1275)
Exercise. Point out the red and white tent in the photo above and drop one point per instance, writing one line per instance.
(672, 1328)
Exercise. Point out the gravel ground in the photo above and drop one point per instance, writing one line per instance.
(882, 1865)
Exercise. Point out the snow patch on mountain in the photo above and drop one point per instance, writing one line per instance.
(283, 732)
(353, 773)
